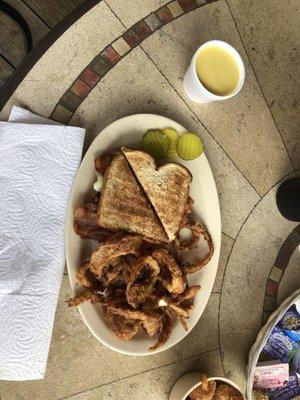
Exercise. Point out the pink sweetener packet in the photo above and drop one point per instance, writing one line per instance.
(270, 374)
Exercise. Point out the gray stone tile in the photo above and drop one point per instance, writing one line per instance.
(276, 274)
(99, 65)
(273, 49)
(131, 12)
(70, 101)
(291, 278)
(242, 125)
(153, 22)
(61, 114)
(155, 384)
(121, 46)
(142, 88)
(226, 246)
(244, 285)
(175, 8)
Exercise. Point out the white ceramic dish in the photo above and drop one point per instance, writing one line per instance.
(187, 383)
(263, 336)
(128, 131)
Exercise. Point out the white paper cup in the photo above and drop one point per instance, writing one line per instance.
(194, 88)
(187, 383)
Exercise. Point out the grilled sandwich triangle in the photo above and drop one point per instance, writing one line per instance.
(166, 187)
(124, 205)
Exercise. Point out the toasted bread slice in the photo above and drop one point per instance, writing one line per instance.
(166, 187)
(124, 206)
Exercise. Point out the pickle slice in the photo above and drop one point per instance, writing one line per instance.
(189, 146)
(173, 137)
(156, 143)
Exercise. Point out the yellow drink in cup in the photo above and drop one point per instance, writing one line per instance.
(216, 73)
(217, 70)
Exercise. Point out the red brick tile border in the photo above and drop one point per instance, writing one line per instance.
(109, 57)
(142, 30)
(80, 88)
(89, 76)
(131, 38)
(165, 15)
(188, 5)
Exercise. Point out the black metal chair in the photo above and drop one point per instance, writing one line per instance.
(17, 17)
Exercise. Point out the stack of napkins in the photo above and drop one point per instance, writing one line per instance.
(38, 164)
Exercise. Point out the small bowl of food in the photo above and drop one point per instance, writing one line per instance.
(195, 386)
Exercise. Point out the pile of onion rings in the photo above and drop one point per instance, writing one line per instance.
(141, 287)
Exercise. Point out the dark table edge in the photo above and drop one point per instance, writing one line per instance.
(40, 49)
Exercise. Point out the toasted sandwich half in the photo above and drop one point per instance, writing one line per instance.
(166, 187)
(124, 206)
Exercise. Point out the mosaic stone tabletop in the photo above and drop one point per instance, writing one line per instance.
(126, 57)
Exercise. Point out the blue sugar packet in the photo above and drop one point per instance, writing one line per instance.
(280, 346)
(288, 391)
(290, 323)
(294, 335)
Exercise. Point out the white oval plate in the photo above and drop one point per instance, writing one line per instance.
(128, 132)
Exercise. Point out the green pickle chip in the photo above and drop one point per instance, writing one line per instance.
(189, 146)
(156, 143)
(173, 137)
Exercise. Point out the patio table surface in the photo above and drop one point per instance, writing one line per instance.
(121, 58)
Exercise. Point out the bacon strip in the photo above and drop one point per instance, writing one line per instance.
(85, 223)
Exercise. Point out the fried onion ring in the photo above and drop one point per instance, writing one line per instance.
(197, 232)
(113, 248)
(165, 332)
(188, 294)
(122, 327)
(84, 275)
(151, 321)
(144, 277)
(171, 276)
(182, 305)
(118, 272)
(82, 298)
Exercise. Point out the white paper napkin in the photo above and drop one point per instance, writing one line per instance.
(38, 164)
(19, 114)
